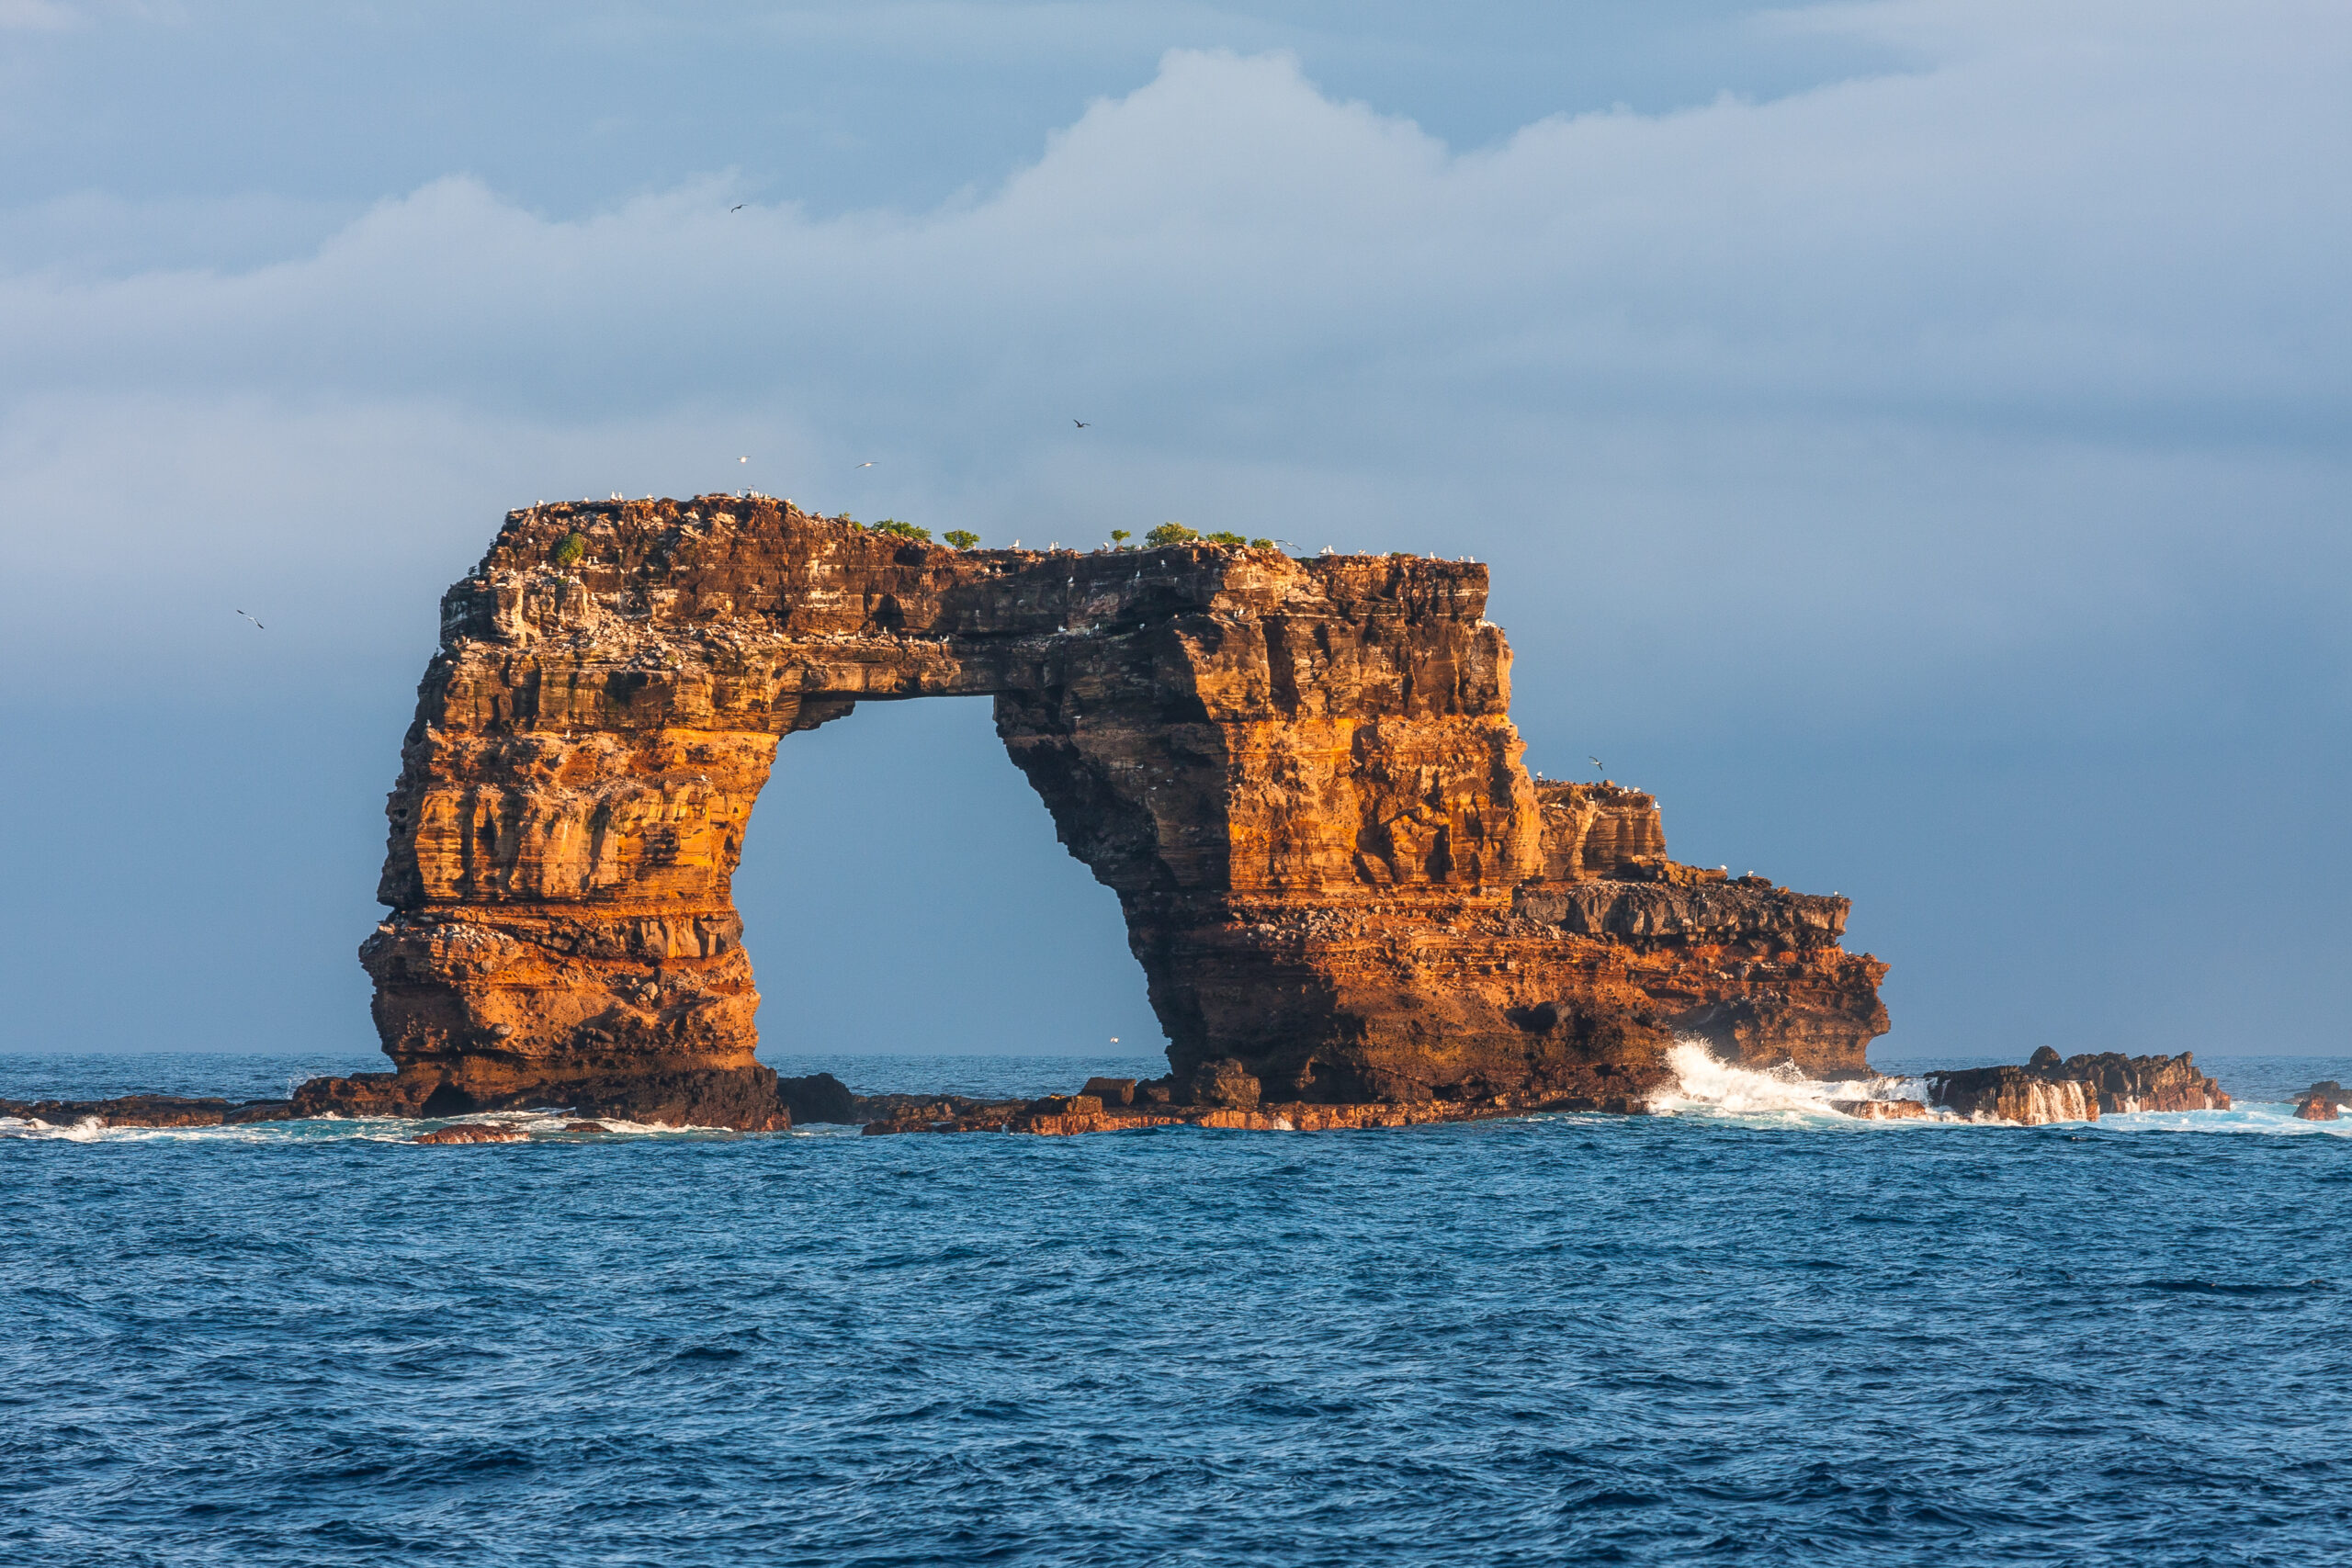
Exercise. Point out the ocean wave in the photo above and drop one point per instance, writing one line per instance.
(1706, 1085)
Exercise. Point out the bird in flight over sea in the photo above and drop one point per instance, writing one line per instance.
(1080, 424)
(865, 465)
(257, 625)
(1596, 763)
(737, 207)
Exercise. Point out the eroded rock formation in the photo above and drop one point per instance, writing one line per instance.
(2079, 1088)
(1299, 776)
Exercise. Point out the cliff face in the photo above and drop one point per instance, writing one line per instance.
(1299, 776)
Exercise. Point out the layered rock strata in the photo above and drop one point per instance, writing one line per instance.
(1299, 776)
(2079, 1088)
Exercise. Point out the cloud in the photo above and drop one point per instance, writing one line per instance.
(2104, 234)
(37, 16)
(1969, 357)
(1932, 480)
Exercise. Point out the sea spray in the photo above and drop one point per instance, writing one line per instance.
(1704, 1084)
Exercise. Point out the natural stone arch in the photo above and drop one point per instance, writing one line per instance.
(1299, 776)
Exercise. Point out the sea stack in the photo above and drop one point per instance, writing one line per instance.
(1300, 776)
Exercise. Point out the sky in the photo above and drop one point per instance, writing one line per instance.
(1909, 437)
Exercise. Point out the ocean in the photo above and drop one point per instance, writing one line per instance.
(1749, 1331)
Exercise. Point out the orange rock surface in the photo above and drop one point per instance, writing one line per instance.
(1300, 777)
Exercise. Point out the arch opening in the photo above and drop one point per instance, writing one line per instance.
(903, 894)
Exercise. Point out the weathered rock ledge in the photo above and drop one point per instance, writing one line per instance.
(2079, 1088)
(150, 1110)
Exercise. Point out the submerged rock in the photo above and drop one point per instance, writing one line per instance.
(472, 1132)
(1878, 1110)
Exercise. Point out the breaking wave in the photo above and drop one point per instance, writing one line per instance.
(1706, 1085)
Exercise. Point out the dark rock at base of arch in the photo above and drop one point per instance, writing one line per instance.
(1299, 776)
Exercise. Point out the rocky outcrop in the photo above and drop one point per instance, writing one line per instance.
(149, 1111)
(660, 1091)
(821, 1097)
(473, 1133)
(2321, 1103)
(1880, 1109)
(2079, 1088)
(1299, 776)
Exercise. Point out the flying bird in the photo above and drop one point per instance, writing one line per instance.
(257, 625)
(1080, 424)
(1596, 763)
(737, 207)
(865, 465)
(742, 459)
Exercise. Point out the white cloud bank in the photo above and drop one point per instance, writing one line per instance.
(1935, 482)
(2039, 336)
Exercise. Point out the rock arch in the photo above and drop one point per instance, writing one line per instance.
(1300, 777)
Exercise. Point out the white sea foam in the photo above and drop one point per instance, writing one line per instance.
(1706, 1085)
(2244, 1117)
(364, 1129)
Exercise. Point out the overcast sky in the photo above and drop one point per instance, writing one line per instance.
(1909, 437)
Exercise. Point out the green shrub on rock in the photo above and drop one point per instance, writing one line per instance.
(1228, 536)
(902, 530)
(961, 539)
(1170, 534)
(573, 545)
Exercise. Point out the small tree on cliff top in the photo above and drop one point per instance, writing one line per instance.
(962, 538)
(903, 530)
(1170, 534)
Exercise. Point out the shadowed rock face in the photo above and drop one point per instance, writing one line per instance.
(1299, 776)
(2079, 1088)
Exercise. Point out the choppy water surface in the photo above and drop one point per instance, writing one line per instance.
(1749, 1332)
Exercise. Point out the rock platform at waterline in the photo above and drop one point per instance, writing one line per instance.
(2078, 1088)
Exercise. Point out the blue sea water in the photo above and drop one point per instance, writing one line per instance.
(1747, 1332)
